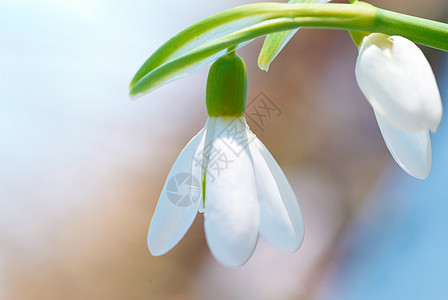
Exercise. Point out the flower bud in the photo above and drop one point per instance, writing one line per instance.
(227, 87)
(398, 82)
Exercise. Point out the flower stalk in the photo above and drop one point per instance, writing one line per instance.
(208, 39)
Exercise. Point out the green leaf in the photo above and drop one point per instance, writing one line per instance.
(209, 39)
(202, 32)
(275, 42)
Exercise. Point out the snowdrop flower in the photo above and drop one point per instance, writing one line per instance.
(398, 82)
(229, 175)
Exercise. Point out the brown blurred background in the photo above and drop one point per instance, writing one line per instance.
(83, 166)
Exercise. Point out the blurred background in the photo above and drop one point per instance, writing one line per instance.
(82, 166)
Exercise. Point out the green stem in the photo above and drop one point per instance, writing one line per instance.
(422, 31)
(272, 17)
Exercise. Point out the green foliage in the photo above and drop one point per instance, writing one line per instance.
(207, 40)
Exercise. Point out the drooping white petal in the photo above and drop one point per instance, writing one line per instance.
(179, 200)
(398, 81)
(231, 206)
(411, 150)
(280, 218)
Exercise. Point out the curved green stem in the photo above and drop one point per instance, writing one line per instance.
(196, 44)
(422, 31)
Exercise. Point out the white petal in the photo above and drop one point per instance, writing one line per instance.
(398, 81)
(179, 200)
(411, 150)
(280, 219)
(231, 206)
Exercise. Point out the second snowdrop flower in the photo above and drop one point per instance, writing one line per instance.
(398, 82)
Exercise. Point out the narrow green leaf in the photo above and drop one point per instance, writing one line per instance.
(183, 54)
(205, 31)
(275, 42)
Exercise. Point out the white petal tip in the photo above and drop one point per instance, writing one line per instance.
(419, 167)
(291, 248)
(422, 177)
(298, 242)
(159, 243)
(233, 257)
(230, 262)
(156, 250)
(411, 150)
(421, 174)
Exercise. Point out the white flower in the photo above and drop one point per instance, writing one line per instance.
(398, 82)
(246, 193)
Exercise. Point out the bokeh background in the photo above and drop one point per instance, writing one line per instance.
(82, 166)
